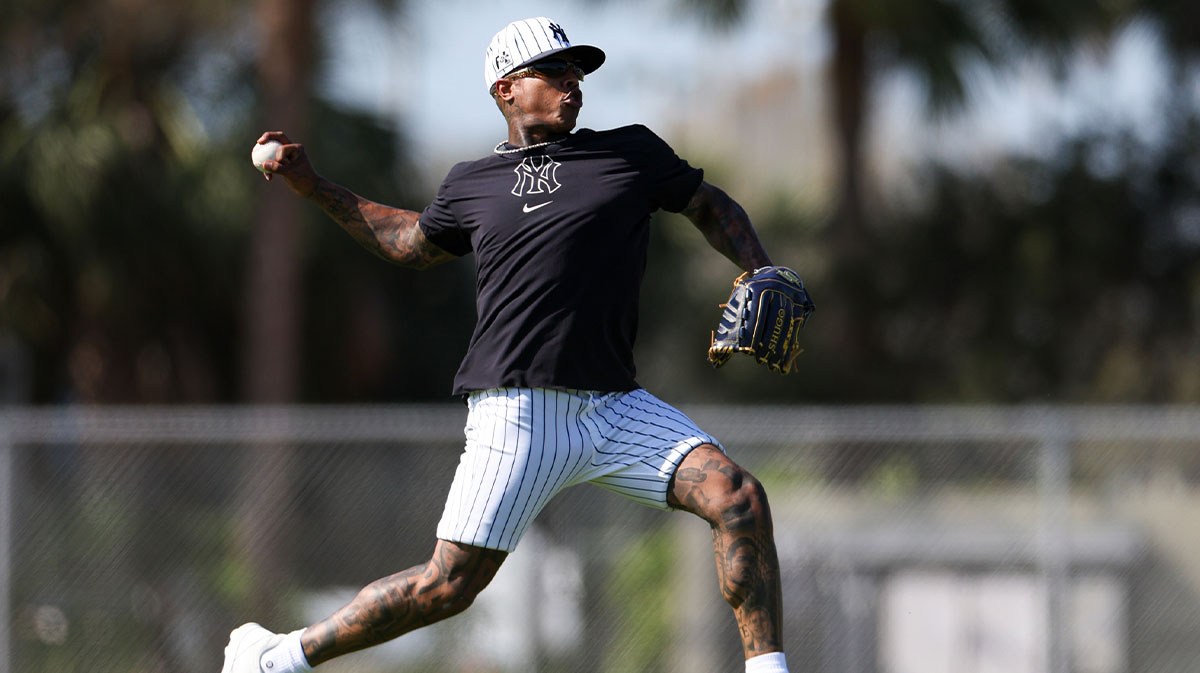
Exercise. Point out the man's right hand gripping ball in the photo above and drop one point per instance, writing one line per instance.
(762, 319)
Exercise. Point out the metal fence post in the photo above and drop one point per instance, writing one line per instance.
(14, 389)
(1054, 476)
(6, 553)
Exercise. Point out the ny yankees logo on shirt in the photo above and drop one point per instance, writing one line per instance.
(536, 175)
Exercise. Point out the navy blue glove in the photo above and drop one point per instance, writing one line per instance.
(763, 318)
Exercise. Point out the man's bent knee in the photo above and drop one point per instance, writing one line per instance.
(745, 505)
(456, 574)
(709, 484)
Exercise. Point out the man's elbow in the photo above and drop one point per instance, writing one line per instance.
(418, 258)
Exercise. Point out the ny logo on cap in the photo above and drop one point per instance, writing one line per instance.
(558, 32)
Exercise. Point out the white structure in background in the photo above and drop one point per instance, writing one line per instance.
(941, 621)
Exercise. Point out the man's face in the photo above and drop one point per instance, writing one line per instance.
(542, 97)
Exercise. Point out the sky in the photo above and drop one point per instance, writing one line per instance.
(423, 68)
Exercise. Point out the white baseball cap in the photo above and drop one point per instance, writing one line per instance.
(523, 42)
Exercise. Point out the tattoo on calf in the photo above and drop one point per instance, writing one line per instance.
(743, 547)
(400, 603)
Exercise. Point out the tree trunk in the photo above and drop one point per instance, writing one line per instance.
(851, 319)
(270, 366)
(850, 84)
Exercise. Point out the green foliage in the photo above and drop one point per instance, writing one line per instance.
(128, 204)
(108, 268)
(1069, 279)
(362, 341)
(641, 599)
(128, 201)
(1042, 280)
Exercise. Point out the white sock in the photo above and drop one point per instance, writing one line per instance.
(286, 657)
(773, 662)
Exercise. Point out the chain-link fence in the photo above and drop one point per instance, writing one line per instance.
(931, 539)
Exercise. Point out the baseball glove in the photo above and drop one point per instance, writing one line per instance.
(762, 319)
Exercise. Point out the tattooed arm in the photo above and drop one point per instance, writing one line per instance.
(391, 233)
(726, 227)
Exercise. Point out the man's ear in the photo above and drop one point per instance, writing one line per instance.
(504, 89)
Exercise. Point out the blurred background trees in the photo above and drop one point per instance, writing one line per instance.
(141, 260)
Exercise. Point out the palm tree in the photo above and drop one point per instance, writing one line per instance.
(936, 40)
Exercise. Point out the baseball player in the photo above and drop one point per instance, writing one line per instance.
(558, 221)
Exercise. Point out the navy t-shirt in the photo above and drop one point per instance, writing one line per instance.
(559, 235)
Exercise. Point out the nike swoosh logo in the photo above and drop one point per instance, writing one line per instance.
(529, 209)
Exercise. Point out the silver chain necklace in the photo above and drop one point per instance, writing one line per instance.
(534, 146)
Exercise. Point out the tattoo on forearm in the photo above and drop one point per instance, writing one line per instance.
(390, 233)
(726, 227)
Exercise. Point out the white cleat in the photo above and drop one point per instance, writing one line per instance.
(247, 643)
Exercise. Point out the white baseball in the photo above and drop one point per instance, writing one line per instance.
(264, 152)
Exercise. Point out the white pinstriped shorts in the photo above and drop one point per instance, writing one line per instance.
(524, 445)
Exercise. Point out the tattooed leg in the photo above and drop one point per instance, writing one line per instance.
(408, 600)
(732, 501)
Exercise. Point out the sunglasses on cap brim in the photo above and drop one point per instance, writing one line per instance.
(550, 69)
